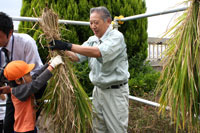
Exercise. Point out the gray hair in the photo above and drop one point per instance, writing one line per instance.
(105, 14)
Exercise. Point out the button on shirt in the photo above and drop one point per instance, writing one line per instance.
(112, 67)
(24, 48)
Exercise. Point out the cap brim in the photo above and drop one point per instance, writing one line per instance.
(30, 68)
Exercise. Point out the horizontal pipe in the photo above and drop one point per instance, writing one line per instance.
(143, 101)
(130, 97)
(146, 102)
(151, 14)
(32, 19)
(88, 23)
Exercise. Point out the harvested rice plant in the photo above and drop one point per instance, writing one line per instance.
(179, 84)
(68, 105)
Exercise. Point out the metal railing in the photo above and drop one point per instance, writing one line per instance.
(151, 14)
(156, 48)
(122, 19)
(32, 19)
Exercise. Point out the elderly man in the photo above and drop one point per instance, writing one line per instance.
(107, 57)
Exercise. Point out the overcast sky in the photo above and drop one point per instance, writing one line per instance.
(157, 25)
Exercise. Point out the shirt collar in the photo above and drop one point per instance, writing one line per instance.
(107, 31)
(96, 39)
(9, 46)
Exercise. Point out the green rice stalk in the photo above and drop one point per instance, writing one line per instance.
(179, 83)
(68, 105)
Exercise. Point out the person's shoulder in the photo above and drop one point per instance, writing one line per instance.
(23, 38)
(23, 35)
(116, 32)
(92, 38)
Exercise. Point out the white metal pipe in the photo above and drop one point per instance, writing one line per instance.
(87, 23)
(32, 19)
(143, 101)
(130, 97)
(146, 102)
(151, 14)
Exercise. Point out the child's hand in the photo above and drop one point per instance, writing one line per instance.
(2, 97)
(5, 90)
(56, 61)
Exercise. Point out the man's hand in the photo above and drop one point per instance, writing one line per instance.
(5, 90)
(60, 45)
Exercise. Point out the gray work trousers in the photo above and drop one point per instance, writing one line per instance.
(110, 110)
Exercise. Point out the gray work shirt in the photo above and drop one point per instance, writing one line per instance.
(112, 67)
(24, 48)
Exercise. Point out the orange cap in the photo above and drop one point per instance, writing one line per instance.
(17, 69)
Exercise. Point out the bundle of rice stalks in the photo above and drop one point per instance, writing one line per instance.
(179, 84)
(68, 105)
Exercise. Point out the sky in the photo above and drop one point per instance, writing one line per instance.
(157, 25)
(12, 8)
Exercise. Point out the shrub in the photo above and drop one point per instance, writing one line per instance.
(143, 77)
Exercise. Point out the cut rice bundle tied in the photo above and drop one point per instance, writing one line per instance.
(68, 104)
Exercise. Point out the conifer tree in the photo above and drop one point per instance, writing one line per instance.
(135, 31)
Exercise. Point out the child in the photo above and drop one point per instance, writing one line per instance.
(18, 73)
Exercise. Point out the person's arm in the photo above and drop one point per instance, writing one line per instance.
(39, 71)
(22, 92)
(5, 90)
(72, 56)
(90, 51)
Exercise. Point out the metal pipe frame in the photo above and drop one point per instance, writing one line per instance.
(151, 14)
(146, 102)
(32, 19)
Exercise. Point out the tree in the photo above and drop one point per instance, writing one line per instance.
(135, 31)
